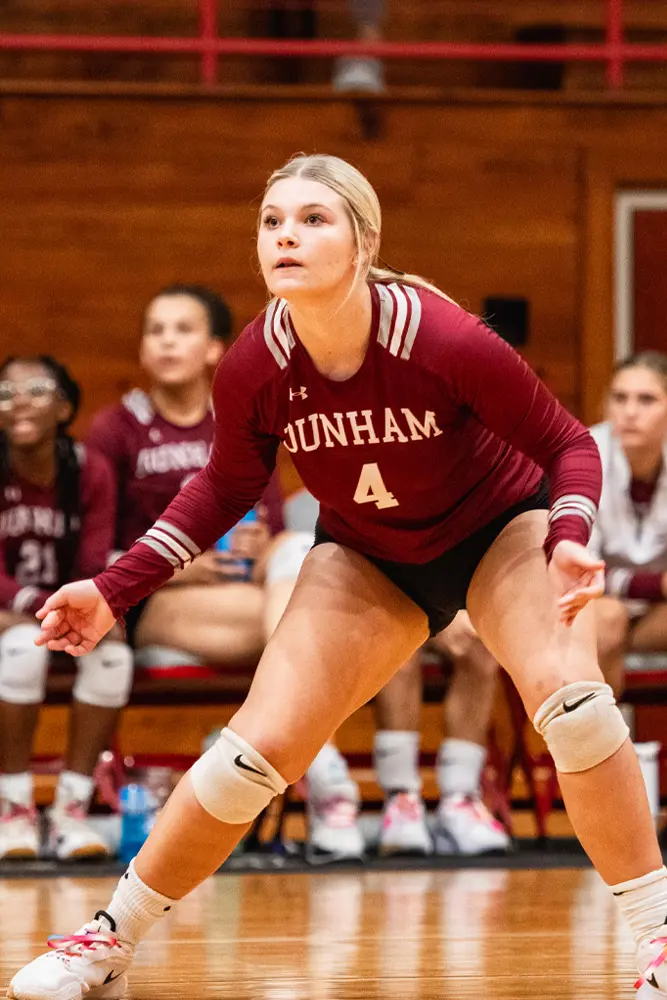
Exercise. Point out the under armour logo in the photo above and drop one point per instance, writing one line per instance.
(301, 394)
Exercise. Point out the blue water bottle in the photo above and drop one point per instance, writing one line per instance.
(243, 567)
(137, 807)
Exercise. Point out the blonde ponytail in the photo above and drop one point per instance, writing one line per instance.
(386, 274)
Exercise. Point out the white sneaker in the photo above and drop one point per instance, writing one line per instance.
(19, 832)
(651, 961)
(71, 836)
(464, 825)
(404, 829)
(92, 960)
(333, 831)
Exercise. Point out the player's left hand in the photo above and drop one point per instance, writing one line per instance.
(578, 578)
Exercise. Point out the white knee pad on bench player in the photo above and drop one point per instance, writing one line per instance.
(105, 675)
(233, 782)
(23, 666)
(582, 725)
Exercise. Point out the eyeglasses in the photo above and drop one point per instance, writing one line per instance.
(39, 392)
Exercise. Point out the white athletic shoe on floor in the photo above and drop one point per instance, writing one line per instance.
(19, 832)
(404, 828)
(463, 825)
(72, 837)
(652, 959)
(91, 962)
(333, 832)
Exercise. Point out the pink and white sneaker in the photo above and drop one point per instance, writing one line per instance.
(464, 825)
(652, 959)
(404, 828)
(71, 836)
(333, 831)
(19, 832)
(92, 961)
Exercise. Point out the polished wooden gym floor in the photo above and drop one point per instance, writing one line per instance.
(411, 935)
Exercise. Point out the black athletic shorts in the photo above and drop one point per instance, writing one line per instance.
(132, 619)
(440, 587)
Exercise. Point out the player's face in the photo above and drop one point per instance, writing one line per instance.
(176, 345)
(306, 243)
(31, 404)
(638, 408)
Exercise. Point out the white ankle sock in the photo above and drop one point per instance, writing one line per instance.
(328, 777)
(459, 767)
(17, 788)
(396, 758)
(643, 902)
(73, 788)
(135, 907)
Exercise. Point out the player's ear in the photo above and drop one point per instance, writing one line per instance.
(216, 348)
(63, 412)
(368, 250)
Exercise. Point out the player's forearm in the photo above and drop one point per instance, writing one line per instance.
(193, 521)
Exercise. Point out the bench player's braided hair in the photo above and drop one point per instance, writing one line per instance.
(68, 468)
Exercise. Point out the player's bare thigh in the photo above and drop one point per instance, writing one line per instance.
(649, 633)
(346, 630)
(9, 618)
(221, 623)
(512, 605)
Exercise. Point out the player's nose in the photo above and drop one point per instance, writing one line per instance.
(286, 237)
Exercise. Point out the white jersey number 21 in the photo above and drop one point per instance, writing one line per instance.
(371, 488)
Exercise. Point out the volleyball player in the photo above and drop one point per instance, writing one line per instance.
(155, 441)
(631, 528)
(426, 440)
(57, 503)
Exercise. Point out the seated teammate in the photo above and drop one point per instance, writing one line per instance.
(57, 503)
(156, 441)
(630, 533)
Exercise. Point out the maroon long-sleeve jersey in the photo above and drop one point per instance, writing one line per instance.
(31, 522)
(442, 428)
(152, 459)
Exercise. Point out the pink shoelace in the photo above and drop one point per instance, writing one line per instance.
(480, 812)
(76, 944)
(16, 811)
(408, 806)
(339, 814)
(656, 963)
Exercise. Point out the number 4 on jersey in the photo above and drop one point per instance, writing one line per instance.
(371, 488)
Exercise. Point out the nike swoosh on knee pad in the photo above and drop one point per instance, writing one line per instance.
(569, 706)
(246, 767)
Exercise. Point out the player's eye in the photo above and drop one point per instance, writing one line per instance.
(270, 221)
(314, 219)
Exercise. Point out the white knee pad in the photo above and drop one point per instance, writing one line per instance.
(23, 665)
(582, 725)
(287, 558)
(105, 675)
(233, 782)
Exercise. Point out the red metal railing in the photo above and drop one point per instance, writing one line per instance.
(614, 52)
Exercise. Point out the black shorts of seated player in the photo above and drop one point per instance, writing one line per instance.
(440, 587)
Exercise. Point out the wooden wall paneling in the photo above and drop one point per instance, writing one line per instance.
(105, 200)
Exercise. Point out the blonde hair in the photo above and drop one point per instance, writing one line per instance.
(363, 207)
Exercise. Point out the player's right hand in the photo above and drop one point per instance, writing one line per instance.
(74, 619)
